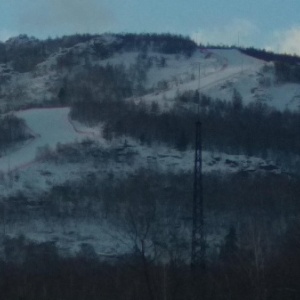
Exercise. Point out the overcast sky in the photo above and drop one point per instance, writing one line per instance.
(271, 24)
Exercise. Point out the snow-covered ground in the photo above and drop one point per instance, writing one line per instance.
(216, 68)
(50, 127)
(221, 71)
(31, 171)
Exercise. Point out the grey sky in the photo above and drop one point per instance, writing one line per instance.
(270, 24)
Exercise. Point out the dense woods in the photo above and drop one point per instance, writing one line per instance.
(255, 257)
(40, 273)
(25, 52)
(228, 127)
(12, 130)
(271, 56)
(287, 72)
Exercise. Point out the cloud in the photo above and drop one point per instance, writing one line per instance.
(238, 31)
(286, 41)
(65, 17)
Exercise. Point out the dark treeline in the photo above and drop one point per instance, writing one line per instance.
(96, 82)
(271, 56)
(25, 55)
(37, 271)
(243, 194)
(257, 258)
(108, 81)
(287, 67)
(25, 52)
(230, 127)
(286, 72)
(162, 43)
(111, 197)
(155, 209)
(12, 129)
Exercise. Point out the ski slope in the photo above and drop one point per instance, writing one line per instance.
(50, 127)
(217, 66)
(222, 71)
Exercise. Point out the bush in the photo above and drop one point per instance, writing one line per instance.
(12, 130)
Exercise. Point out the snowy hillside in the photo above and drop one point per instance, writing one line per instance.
(66, 152)
(221, 71)
(53, 127)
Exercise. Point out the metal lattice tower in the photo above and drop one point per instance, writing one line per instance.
(198, 238)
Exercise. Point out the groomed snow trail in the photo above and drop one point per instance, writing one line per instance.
(226, 64)
(50, 126)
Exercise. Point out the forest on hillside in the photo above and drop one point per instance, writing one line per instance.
(257, 258)
(229, 127)
(251, 216)
(24, 52)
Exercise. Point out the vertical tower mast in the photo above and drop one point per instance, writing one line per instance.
(198, 238)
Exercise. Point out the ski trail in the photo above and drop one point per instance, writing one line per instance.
(49, 126)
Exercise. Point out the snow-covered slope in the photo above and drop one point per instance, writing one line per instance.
(31, 175)
(221, 72)
(50, 127)
(42, 162)
(34, 167)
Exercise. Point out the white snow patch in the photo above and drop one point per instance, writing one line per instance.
(51, 126)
